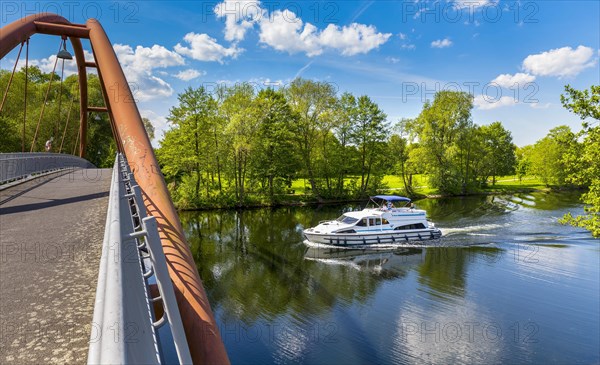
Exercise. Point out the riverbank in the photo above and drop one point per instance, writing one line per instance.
(502, 187)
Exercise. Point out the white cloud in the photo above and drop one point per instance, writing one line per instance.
(147, 58)
(487, 103)
(353, 39)
(473, 4)
(541, 106)
(204, 48)
(441, 43)
(393, 60)
(284, 31)
(402, 36)
(561, 62)
(508, 80)
(240, 15)
(189, 74)
(138, 67)
(46, 64)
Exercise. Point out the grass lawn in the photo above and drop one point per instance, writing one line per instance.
(396, 186)
(507, 183)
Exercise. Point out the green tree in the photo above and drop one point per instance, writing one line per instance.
(242, 126)
(368, 134)
(586, 104)
(498, 151)
(345, 118)
(274, 143)
(312, 102)
(398, 150)
(523, 156)
(444, 129)
(149, 127)
(551, 157)
(60, 116)
(185, 152)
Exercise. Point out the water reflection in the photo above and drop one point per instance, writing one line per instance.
(504, 260)
(388, 264)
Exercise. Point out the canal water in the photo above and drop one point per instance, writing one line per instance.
(507, 284)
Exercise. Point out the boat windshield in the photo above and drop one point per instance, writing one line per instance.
(347, 220)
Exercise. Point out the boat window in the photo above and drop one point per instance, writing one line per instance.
(410, 226)
(384, 221)
(372, 221)
(362, 222)
(347, 220)
(378, 221)
(347, 231)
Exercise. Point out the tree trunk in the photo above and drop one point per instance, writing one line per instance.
(197, 164)
(218, 160)
(407, 184)
(362, 169)
(235, 177)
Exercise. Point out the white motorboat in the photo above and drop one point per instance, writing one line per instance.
(393, 220)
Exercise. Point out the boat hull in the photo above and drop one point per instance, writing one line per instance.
(373, 238)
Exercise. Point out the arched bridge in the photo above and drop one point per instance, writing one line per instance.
(94, 265)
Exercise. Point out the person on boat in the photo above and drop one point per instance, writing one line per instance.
(390, 205)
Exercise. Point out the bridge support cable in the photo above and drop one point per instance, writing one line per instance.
(201, 330)
(11, 78)
(25, 96)
(60, 89)
(37, 127)
(66, 125)
(77, 143)
(132, 263)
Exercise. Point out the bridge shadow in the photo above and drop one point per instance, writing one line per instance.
(52, 203)
(196, 307)
(41, 181)
(169, 234)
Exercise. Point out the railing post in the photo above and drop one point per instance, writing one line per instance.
(131, 256)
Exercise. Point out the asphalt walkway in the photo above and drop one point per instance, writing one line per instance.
(51, 232)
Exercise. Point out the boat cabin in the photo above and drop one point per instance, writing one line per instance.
(393, 218)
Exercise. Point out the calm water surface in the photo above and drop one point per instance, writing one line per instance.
(509, 285)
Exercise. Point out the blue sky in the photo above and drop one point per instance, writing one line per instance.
(514, 56)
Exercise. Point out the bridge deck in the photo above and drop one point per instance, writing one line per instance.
(51, 232)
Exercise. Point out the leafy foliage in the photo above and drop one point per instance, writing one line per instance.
(445, 133)
(256, 144)
(59, 120)
(585, 161)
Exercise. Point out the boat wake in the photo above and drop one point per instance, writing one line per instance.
(335, 262)
(391, 246)
(472, 230)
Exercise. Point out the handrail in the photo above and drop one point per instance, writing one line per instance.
(127, 326)
(200, 326)
(16, 166)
